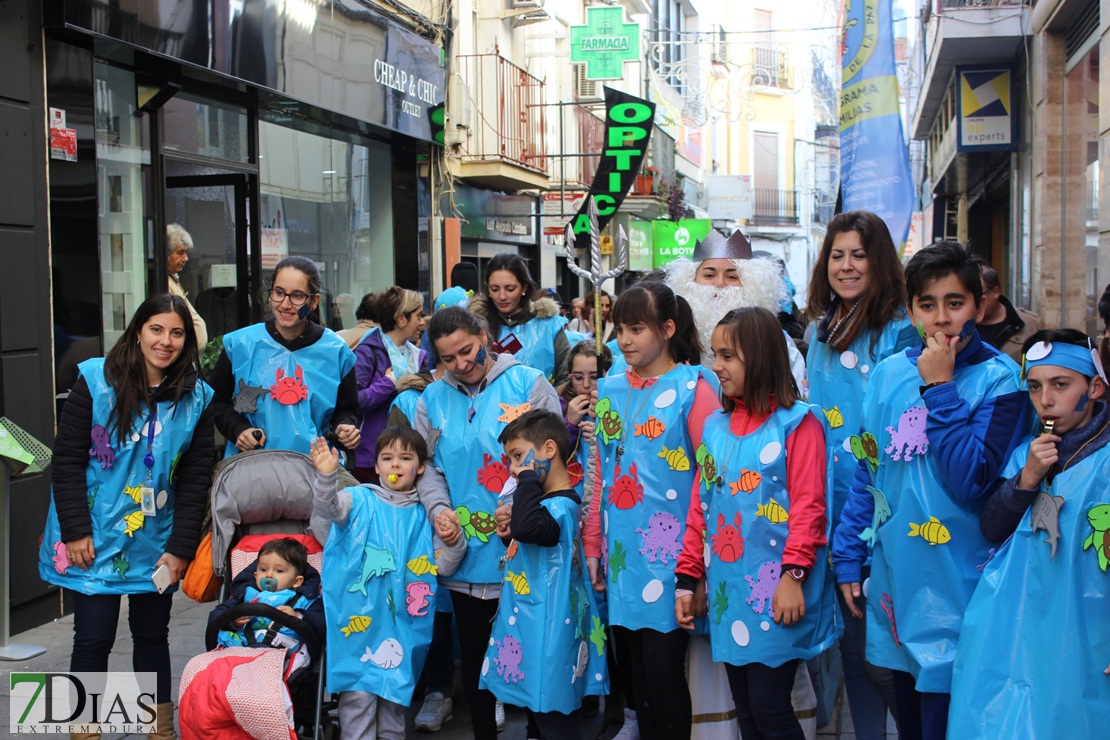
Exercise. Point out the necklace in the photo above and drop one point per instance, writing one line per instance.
(1093, 437)
(629, 421)
(720, 480)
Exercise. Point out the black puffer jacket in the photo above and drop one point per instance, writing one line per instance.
(313, 616)
(71, 458)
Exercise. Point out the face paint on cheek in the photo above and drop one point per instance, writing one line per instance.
(480, 358)
(968, 330)
(920, 326)
(1082, 405)
(542, 467)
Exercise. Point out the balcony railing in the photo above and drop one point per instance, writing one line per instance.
(509, 117)
(774, 207)
(770, 68)
(943, 5)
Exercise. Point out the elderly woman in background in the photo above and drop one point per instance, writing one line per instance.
(178, 244)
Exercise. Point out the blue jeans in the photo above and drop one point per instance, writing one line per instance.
(95, 619)
(762, 695)
(870, 688)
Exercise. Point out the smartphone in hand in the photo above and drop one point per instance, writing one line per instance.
(161, 578)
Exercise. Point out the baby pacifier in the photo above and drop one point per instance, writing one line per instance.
(268, 584)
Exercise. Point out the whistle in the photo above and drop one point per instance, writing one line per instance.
(393, 477)
(257, 434)
(1048, 426)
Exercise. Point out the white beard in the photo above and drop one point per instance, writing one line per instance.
(762, 286)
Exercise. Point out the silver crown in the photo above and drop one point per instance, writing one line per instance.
(715, 246)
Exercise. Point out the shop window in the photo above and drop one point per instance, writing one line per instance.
(122, 161)
(202, 127)
(331, 200)
(1082, 85)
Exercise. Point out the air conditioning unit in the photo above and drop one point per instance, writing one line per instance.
(526, 3)
(584, 89)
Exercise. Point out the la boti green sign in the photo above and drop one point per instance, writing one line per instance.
(673, 239)
(605, 43)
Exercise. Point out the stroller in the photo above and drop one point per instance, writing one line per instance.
(256, 496)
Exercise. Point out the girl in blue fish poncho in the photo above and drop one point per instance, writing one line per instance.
(381, 560)
(648, 427)
(282, 383)
(756, 528)
(1032, 659)
(132, 464)
(859, 291)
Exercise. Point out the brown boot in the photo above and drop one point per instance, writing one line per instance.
(164, 727)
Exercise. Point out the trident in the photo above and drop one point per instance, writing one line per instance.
(595, 275)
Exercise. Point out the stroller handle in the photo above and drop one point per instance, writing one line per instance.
(298, 625)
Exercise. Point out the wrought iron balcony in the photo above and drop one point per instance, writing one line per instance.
(774, 207)
(770, 68)
(509, 121)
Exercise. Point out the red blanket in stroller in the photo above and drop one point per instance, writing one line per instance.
(234, 693)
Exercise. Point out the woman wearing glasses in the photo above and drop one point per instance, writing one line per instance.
(282, 383)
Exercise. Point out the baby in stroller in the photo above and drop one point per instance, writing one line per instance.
(281, 577)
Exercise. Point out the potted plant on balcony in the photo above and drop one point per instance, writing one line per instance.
(645, 180)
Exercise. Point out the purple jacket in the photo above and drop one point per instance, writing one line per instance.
(375, 392)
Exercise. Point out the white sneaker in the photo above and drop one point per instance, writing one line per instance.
(499, 715)
(436, 711)
(629, 730)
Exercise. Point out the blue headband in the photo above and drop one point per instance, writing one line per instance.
(1073, 357)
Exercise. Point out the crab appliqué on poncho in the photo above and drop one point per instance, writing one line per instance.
(288, 391)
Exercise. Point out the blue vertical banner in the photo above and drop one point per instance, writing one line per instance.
(874, 163)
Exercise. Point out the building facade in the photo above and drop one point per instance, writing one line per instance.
(263, 129)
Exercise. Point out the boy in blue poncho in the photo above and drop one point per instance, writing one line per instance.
(380, 566)
(282, 579)
(939, 421)
(540, 654)
(1036, 638)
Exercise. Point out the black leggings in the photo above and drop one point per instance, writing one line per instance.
(764, 710)
(474, 620)
(95, 619)
(659, 685)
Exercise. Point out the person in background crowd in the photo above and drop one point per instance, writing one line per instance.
(282, 383)
(132, 463)
(387, 361)
(587, 325)
(723, 275)
(364, 315)
(178, 244)
(1002, 325)
(857, 295)
(523, 319)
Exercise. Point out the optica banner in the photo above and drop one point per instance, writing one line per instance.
(628, 122)
(874, 164)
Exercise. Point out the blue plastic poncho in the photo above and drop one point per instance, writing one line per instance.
(547, 647)
(379, 587)
(537, 339)
(289, 395)
(646, 492)
(1036, 634)
(926, 553)
(127, 542)
(746, 517)
(463, 446)
(837, 383)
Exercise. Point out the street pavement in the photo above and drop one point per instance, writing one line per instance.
(187, 627)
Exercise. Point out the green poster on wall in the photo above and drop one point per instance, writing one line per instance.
(671, 239)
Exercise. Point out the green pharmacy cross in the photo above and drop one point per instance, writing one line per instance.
(605, 43)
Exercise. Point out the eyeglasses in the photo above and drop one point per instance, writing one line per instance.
(580, 378)
(297, 299)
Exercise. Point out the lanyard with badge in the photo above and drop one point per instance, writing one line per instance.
(146, 498)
